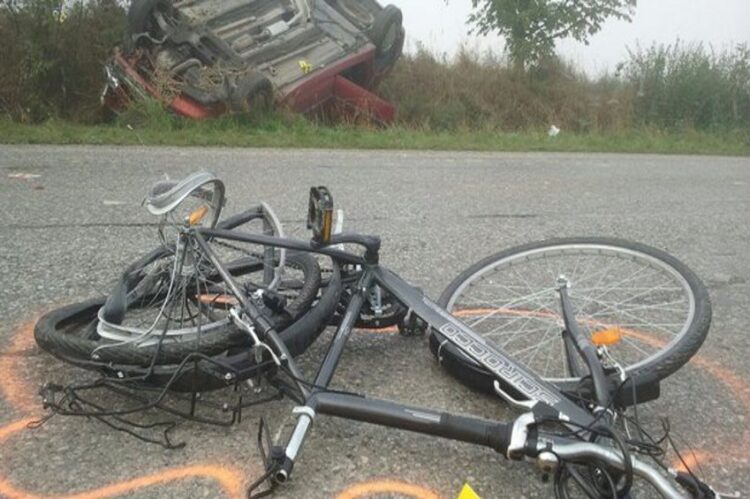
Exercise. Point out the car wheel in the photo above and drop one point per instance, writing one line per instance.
(251, 92)
(387, 33)
(386, 29)
(140, 14)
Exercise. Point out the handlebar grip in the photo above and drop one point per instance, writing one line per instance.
(441, 424)
(487, 433)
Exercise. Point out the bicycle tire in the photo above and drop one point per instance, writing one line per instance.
(51, 336)
(669, 357)
(139, 288)
(85, 344)
(69, 333)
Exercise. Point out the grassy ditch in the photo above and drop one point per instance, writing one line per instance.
(237, 132)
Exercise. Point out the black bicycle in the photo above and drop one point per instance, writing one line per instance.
(572, 332)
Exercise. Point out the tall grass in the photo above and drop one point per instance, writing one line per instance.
(52, 56)
(51, 68)
(690, 86)
(482, 92)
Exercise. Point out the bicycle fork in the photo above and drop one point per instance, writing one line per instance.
(319, 400)
(306, 413)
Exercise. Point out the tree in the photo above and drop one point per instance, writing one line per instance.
(531, 27)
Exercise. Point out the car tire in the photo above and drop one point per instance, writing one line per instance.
(140, 14)
(387, 34)
(250, 92)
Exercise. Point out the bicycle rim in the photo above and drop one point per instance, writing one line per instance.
(643, 303)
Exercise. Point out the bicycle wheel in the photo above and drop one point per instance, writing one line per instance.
(174, 324)
(656, 308)
(175, 296)
(175, 303)
(69, 333)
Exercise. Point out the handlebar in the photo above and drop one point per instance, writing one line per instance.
(550, 451)
(581, 451)
(370, 243)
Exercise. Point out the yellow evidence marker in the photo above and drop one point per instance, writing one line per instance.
(305, 66)
(468, 493)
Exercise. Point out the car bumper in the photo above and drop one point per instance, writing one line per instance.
(124, 82)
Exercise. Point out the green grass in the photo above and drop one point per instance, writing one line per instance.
(234, 132)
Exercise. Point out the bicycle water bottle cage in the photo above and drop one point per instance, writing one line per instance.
(320, 215)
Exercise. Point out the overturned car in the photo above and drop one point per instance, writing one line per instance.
(204, 58)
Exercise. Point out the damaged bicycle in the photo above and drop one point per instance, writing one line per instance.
(573, 333)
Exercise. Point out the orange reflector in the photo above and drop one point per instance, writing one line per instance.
(606, 337)
(217, 299)
(197, 216)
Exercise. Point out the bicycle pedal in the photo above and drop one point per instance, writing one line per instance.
(252, 490)
(272, 457)
(271, 454)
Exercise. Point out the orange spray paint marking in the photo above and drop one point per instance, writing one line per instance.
(6, 488)
(230, 481)
(13, 387)
(368, 489)
(18, 393)
(8, 430)
(692, 459)
(8, 491)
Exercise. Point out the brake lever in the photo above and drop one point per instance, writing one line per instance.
(258, 345)
(699, 489)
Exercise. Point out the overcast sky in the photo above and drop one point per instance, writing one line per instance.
(718, 22)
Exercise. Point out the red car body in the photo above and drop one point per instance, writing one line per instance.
(335, 81)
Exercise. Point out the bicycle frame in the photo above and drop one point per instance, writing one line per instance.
(513, 440)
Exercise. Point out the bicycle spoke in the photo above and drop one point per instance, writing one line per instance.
(518, 309)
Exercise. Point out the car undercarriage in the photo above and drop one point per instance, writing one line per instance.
(208, 57)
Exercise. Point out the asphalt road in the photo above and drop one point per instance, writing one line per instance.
(70, 225)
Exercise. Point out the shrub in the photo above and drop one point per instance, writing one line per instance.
(52, 66)
(689, 86)
(474, 91)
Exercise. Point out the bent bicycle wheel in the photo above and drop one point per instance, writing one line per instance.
(69, 333)
(181, 323)
(169, 304)
(652, 311)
